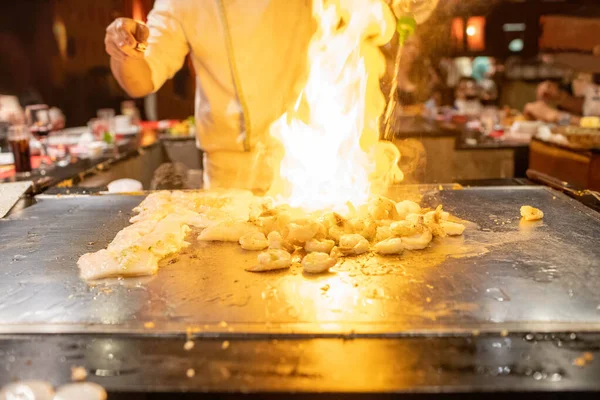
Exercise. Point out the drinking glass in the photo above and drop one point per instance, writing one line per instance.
(18, 142)
(37, 118)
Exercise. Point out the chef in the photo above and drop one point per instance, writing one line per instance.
(249, 57)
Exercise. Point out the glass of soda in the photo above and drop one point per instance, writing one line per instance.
(18, 142)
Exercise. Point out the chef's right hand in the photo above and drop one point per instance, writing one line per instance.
(122, 36)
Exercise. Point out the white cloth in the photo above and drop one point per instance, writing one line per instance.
(251, 170)
(591, 105)
(262, 42)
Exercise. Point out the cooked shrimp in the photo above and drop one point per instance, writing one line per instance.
(335, 253)
(419, 241)
(315, 263)
(390, 246)
(302, 233)
(274, 221)
(407, 207)
(452, 228)
(432, 221)
(382, 208)
(405, 228)
(415, 218)
(272, 259)
(365, 227)
(353, 244)
(254, 241)
(531, 213)
(276, 242)
(319, 245)
(335, 233)
(383, 232)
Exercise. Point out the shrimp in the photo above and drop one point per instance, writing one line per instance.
(315, 263)
(407, 207)
(276, 242)
(390, 246)
(382, 208)
(274, 221)
(415, 218)
(271, 260)
(418, 241)
(383, 232)
(254, 241)
(405, 228)
(335, 253)
(302, 233)
(335, 225)
(319, 246)
(452, 228)
(531, 213)
(365, 227)
(353, 244)
(432, 221)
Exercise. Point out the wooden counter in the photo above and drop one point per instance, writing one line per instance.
(579, 168)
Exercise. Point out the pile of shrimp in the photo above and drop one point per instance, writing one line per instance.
(275, 231)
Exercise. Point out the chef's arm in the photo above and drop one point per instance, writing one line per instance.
(143, 72)
(541, 111)
(127, 63)
(133, 75)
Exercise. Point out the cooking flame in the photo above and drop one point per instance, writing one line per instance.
(331, 153)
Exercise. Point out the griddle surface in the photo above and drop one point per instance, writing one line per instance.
(502, 275)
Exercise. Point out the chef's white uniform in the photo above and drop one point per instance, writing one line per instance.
(249, 56)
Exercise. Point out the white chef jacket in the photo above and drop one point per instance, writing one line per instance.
(248, 56)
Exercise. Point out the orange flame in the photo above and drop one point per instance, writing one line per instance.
(330, 139)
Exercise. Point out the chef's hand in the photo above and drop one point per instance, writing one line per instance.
(549, 91)
(542, 112)
(122, 36)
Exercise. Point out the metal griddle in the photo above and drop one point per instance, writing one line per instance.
(503, 274)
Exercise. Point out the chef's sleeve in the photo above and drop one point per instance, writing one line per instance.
(167, 44)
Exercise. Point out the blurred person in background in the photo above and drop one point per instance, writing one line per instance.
(484, 69)
(556, 105)
(467, 97)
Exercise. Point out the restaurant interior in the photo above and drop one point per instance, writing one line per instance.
(316, 113)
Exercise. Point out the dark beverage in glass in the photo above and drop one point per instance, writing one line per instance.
(18, 142)
(22, 154)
